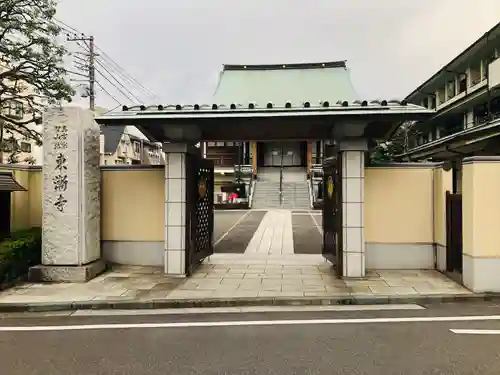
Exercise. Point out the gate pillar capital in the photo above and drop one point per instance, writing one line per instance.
(353, 144)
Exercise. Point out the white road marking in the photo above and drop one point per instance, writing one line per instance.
(320, 229)
(250, 323)
(476, 331)
(230, 229)
(248, 309)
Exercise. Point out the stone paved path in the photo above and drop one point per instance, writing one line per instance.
(237, 276)
(274, 235)
(271, 232)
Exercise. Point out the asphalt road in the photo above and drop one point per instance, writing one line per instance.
(255, 343)
(233, 230)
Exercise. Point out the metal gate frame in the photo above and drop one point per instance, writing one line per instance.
(199, 211)
(332, 212)
(453, 232)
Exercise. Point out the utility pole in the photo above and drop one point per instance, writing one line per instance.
(90, 68)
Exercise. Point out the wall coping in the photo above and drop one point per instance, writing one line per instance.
(481, 159)
(131, 167)
(114, 167)
(21, 167)
(405, 165)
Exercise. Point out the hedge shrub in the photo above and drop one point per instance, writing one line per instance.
(18, 252)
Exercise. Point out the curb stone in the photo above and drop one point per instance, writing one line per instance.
(245, 302)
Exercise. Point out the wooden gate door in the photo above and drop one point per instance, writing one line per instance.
(453, 232)
(332, 211)
(199, 211)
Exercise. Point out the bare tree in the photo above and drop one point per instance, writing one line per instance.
(32, 75)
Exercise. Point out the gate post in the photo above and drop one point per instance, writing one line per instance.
(353, 173)
(175, 207)
(481, 223)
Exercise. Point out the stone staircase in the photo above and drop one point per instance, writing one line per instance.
(266, 195)
(296, 196)
(295, 189)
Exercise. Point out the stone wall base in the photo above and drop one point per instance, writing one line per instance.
(67, 274)
(480, 274)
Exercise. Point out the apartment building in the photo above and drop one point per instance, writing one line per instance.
(17, 149)
(466, 97)
(118, 146)
(127, 145)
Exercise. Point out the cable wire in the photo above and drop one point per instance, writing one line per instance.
(108, 93)
(116, 87)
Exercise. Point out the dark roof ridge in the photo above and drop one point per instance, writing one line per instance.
(316, 65)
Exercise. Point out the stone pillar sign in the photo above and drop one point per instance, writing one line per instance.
(71, 249)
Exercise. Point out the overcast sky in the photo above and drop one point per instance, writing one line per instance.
(177, 48)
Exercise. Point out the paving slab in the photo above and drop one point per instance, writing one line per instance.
(274, 235)
(228, 280)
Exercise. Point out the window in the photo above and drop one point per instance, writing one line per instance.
(462, 83)
(25, 147)
(229, 144)
(137, 147)
(211, 144)
(440, 95)
(9, 145)
(220, 144)
(451, 89)
(433, 102)
(14, 109)
(481, 113)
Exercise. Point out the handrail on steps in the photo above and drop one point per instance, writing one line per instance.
(281, 185)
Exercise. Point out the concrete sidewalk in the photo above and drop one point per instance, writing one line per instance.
(237, 280)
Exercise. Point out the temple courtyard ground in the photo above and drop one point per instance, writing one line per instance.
(261, 257)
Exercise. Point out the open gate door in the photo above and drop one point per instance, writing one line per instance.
(332, 211)
(454, 232)
(199, 211)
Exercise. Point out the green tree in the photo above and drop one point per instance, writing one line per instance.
(32, 75)
(398, 145)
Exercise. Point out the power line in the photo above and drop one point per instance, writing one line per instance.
(121, 84)
(131, 79)
(110, 95)
(109, 81)
(109, 70)
(126, 75)
(106, 63)
(91, 66)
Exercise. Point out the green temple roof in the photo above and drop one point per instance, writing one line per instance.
(293, 83)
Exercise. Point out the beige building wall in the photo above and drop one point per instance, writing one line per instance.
(399, 212)
(443, 182)
(403, 216)
(26, 206)
(481, 223)
(133, 214)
